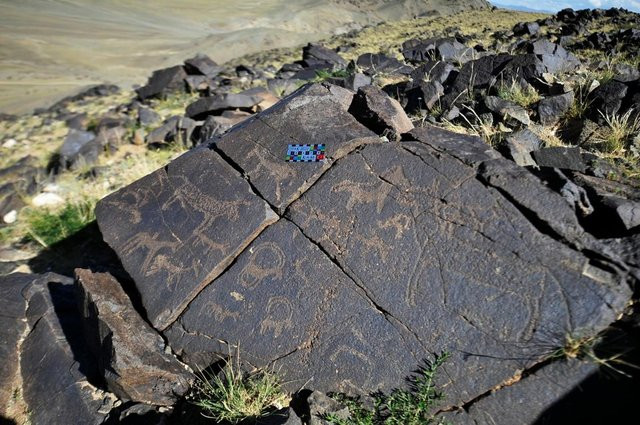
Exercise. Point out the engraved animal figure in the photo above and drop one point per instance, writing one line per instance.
(267, 261)
(279, 316)
(360, 193)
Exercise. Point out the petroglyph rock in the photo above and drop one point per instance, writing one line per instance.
(177, 229)
(381, 257)
(315, 114)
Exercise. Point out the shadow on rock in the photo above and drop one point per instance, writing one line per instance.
(87, 250)
(608, 387)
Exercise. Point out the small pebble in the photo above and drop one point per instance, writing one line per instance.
(9, 143)
(10, 217)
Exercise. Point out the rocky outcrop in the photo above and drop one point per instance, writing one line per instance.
(401, 248)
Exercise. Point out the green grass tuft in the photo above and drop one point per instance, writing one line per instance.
(47, 227)
(515, 93)
(401, 407)
(234, 396)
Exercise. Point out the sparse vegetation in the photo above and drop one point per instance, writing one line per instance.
(619, 132)
(48, 227)
(235, 396)
(514, 92)
(401, 407)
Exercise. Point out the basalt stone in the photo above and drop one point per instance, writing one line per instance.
(215, 126)
(162, 82)
(12, 328)
(506, 110)
(552, 108)
(58, 373)
(476, 74)
(469, 149)
(79, 146)
(436, 49)
(284, 300)
(178, 228)
(432, 71)
(147, 116)
(529, 399)
(560, 157)
(214, 105)
(197, 83)
(130, 354)
(401, 219)
(352, 82)
(424, 96)
(202, 65)
(527, 67)
(382, 114)
(321, 53)
(315, 114)
(526, 28)
(379, 63)
(606, 99)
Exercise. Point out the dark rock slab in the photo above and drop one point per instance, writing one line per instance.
(455, 262)
(560, 157)
(147, 116)
(315, 114)
(432, 71)
(469, 149)
(382, 114)
(162, 82)
(203, 65)
(606, 99)
(12, 329)
(527, 400)
(526, 28)
(176, 229)
(353, 82)
(552, 108)
(214, 105)
(131, 355)
(58, 373)
(374, 63)
(446, 49)
(321, 53)
(284, 300)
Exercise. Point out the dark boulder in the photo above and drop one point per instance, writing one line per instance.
(552, 108)
(147, 116)
(163, 82)
(217, 125)
(379, 63)
(130, 354)
(79, 147)
(352, 82)
(425, 95)
(323, 54)
(560, 157)
(174, 129)
(526, 28)
(382, 114)
(438, 71)
(202, 65)
(606, 100)
(214, 105)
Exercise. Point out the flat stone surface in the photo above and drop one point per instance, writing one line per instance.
(131, 355)
(12, 328)
(526, 401)
(178, 228)
(455, 262)
(285, 301)
(57, 370)
(315, 114)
